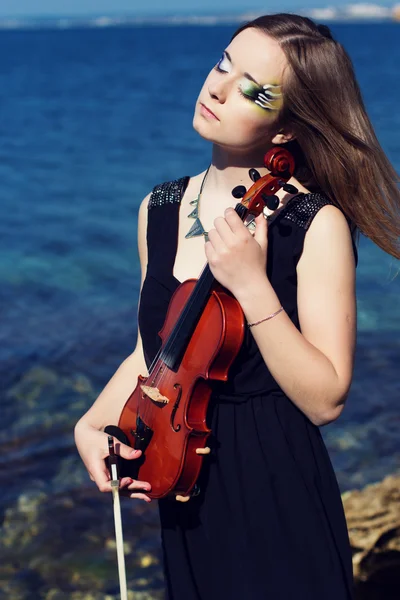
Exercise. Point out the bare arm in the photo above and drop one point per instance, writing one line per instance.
(90, 438)
(107, 408)
(313, 367)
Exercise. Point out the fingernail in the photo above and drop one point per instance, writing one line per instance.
(134, 452)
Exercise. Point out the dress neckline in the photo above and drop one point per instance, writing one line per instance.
(270, 223)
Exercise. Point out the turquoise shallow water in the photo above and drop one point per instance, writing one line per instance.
(91, 120)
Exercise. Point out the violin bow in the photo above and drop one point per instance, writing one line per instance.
(113, 463)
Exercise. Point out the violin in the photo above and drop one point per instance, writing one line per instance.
(165, 416)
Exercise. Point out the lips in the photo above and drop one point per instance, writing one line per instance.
(207, 111)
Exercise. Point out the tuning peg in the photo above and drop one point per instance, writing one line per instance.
(272, 202)
(254, 175)
(239, 191)
(290, 189)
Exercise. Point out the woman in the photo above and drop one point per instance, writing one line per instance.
(268, 522)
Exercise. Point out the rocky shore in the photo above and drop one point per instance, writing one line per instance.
(57, 530)
(62, 547)
(373, 520)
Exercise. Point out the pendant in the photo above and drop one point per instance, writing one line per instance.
(196, 229)
(195, 213)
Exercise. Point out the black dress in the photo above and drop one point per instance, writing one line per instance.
(269, 521)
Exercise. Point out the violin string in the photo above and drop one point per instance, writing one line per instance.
(156, 378)
(197, 292)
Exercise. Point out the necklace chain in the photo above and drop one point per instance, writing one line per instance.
(197, 227)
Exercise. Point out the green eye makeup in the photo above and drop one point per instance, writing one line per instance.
(268, 96)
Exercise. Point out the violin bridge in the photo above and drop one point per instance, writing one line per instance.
(154, 394)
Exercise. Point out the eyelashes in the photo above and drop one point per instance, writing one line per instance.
(243, 95)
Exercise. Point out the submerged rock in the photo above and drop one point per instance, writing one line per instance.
(57, 547)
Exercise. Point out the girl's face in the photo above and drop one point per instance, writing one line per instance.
(242, 95)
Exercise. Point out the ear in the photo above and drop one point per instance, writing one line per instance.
(282, 138)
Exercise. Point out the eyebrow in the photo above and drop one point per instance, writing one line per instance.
(247, 75)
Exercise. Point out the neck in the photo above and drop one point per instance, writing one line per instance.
(228, 170)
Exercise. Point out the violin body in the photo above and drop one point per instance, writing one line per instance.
(169, 431)
(165, 416)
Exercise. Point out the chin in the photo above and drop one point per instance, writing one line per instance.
(203, 129)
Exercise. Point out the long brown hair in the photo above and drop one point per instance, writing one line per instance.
(336, 149)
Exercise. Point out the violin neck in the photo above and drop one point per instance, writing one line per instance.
(179, 338)
(174, 348)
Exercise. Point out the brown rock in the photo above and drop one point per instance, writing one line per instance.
(373, 520)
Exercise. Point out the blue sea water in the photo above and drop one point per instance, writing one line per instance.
(90, 121)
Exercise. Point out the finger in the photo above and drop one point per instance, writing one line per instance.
(209, 251)
(101, 475)
(103, 484)
(235, 223)
(261, 232)
(124, 451)
(205, 450)
(139, 485)
(180, 498)
(211, 254)
(125, 482)
(215, 240)
(226, 234)
(133, 495)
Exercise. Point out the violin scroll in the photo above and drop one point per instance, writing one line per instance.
(279, 161)
(262, 193)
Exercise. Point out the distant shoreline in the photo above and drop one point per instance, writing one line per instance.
(71, 23)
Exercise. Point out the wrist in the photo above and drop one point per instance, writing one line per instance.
(258, 299)
(84, 425)
(255, 288)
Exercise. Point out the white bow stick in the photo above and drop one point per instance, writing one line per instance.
(113, 463)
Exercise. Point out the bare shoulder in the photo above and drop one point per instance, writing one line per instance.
(142, 216)
(328, 233)
(142, 234)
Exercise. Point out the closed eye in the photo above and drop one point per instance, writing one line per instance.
(223, 64)
(245, 95)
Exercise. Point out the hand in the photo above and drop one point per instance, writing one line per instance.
(235, 256)
(92, 446)
(205, 450)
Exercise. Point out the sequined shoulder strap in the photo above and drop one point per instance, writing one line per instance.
(170, 192)
(302, 209)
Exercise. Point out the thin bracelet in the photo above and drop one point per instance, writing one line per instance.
(266, 318)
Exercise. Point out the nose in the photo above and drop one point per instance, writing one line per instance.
(218, 90)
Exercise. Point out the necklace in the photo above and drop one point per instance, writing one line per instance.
(197, 227)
